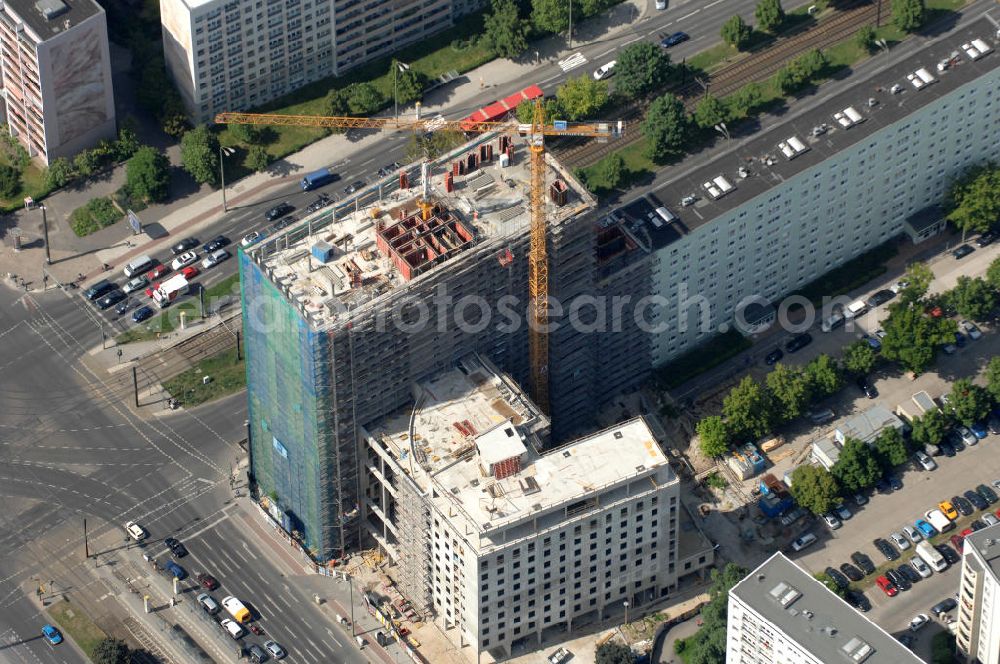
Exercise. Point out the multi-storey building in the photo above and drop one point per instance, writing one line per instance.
(227, 55)
(502, 540)
(977, 637)
(779, 613)
(56, 75)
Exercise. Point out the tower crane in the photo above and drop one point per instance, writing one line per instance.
(538, 266)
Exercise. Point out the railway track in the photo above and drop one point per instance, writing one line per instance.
(757, 67)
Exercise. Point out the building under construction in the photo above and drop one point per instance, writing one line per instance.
(347, 308)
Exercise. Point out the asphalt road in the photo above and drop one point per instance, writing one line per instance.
(70, 449)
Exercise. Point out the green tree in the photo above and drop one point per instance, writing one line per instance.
(111, 651)
(865, 38)
(973, 199)
(857, 468)
(336, 103)
(809, 64)
(993, 274)
(814, 488)
(612, 652)
(665, 126)
(249, 134)
(175, 124)
(550, 15)
(10, 181)
(257, 158)
(931, 427)
(505, 33)
(88, 162)
(200, 155)
(908, 15)
(147, 175)
(823, 377)
(744, 100)
(363, 98)
(790, 389)
(993, 378)
(713, 436)
(859, 358)
(59, 172)
(410, 84)
(710, 112)
(890, 448)
(911, 337)
(785, 80)
(642, 68)
(749, 410)
(918, 277)
(973, 298)
(769, 15)
(612, 170)
(127, 144)
(736, 32)
(582, 97)
(968, 402)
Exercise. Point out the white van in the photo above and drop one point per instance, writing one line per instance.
(138, 265)
(856, 308)
(233, 628)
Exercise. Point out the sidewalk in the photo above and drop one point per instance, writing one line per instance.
(206, 208)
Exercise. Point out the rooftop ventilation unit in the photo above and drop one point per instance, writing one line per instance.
(50, 9)
(718, 187)
(848, 117)
(976, 49)
(857, 650)
(920, 78)
(785, 594)
(792, 148)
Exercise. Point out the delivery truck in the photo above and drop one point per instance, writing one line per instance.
(318, 179)
(236, 609)
(170, 290)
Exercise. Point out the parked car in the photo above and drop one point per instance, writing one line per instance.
(190, 272)
(832, 522)
(948, 554)
(803, 541)
(927, 530)
(921, 568)
(863, 562)
(790, 518)
(918, 621)
(960, 340)
(948, 509)
(184, 245)
(176, 547)
(962, 505)
(899, 286)
(135, 284)
(839, 579)
(866, 386)
(944, 606)
(901, 542)
(256, 653)
(886, 549)
(278, 211)
(124, 305)
(895, 483)
(898, 579)
(773, 357)
(798, 342)
(925, 461)
(988, 494)
(994, 424)
(908, 573)
(821, 416)
(851, 572)
(843, 512)
(873, 342)
(979, 430)
(175, 570)
(977, 524)
(184, 260)
(970, 329)
(990, 520)
(860, 499)
(887, 586)
(912, 533)
(977, 501)
(674, 39)
(962, 251)
(605, 70)
(880, 297)
(251, 238)
(957, 541)
(214, 258)
(986, 239)
(216, 243)
(157, 272)
(112, 298)
(141, 314)
(858, 600)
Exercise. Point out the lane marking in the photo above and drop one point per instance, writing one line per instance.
(689, 15)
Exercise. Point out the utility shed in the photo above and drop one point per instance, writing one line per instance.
(867, 425)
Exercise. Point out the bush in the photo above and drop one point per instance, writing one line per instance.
(98, 213)
(700, 359)
(10, 181)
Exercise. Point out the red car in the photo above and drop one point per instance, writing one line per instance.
(157, 272)
(150, 289)
(190, 272)
(958, 541)
(207, 581)
(887, 586)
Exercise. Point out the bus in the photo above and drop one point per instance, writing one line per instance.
(318, 179)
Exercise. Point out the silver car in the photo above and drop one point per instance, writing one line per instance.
(925, 461)
(920, 566)
(968, 437)
(831, 521)
(900, 541)
(912, 534)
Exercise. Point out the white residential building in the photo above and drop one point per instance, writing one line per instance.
(229, 55)
(978, 633)
(506, 543)
(780, 614)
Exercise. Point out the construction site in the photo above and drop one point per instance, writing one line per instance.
(343, 311)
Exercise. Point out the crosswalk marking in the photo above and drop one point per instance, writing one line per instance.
(573, 61)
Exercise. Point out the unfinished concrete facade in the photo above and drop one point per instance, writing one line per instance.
(336, 331)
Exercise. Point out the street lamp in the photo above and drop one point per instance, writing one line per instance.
(723, 129)
(223, 153)
(45, 229)
(625, 603)
(571, 23)
(399, 67)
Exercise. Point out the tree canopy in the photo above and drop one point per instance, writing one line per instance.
(993, 377)
(993, 274)
(147, 175)
(973, 298)
(931, 427)
(890, 448)
(736, 32)
(713, 436)
(112, 651)
(918, 277)
(10, 180)
(749, 409)
(859, 358)
(710, 112)
(200, 155)
(769, 15)
(582, 97)
(790, 389)
(666, 127)
(612, 652)
(968, 402)
(823, 376)
(908, 15)
(642, 68)
(974, 198)
(911, 337)
(814, 488)
(505, 33)
(856, 468)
